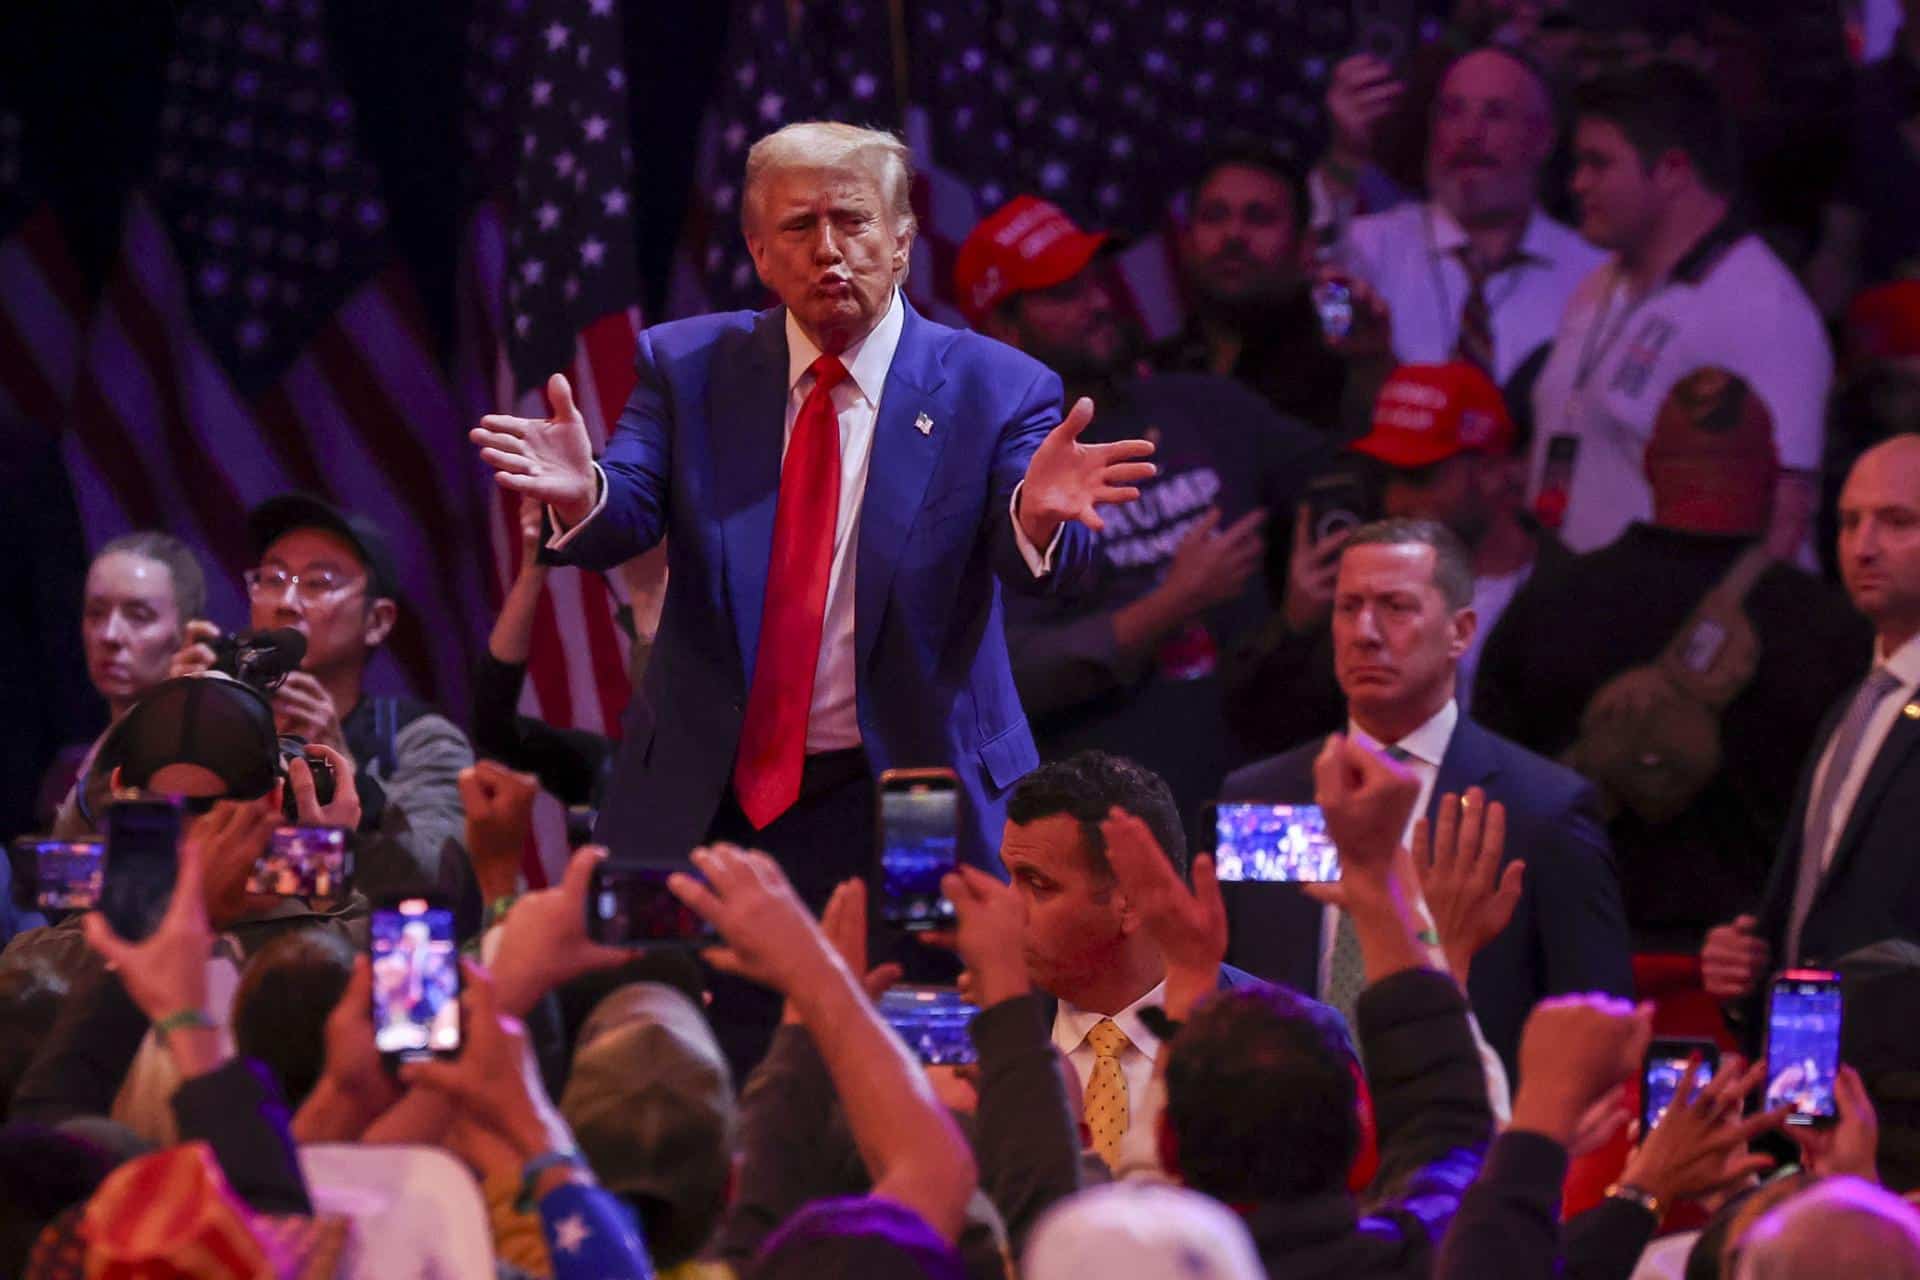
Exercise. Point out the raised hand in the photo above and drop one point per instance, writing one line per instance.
(344, 809)
(1572, 1051)
(1700, 1145)
(771, 939)
(990, 935)
(1458, 863)
(1367, 800)
(547, 459)
(544, 942)
(1066, 479)
(1850, 1145)
(195, 654)
(1211, 565)
(1189, 926)
(499, 806)
(303, 707)
(1312, 570)
(1361, 93)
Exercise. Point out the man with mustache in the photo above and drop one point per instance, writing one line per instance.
(1477, 271)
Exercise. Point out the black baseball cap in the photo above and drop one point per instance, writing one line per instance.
(279, 516)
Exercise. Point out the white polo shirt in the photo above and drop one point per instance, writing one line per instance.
(1410, 255)
(1730, 303)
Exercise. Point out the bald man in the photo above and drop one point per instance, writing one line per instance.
(1846, 875)
(1476, 272)
(1840, 1227)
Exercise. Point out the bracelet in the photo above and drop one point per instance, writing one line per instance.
(185, 1019)
(538, 1166)
(1429, 936)
(1635, 1195)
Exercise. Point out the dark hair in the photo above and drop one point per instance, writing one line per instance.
(1666, 106)
(280, 1008)
(189, 580)
(1253, 153)
(1452, 566)
(857, 1235)
(1085, 786)
(1261, 1096)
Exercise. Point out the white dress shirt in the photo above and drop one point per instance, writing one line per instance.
(1410, 255)
(833, 720)
(1904, 663)
(1138, 1152)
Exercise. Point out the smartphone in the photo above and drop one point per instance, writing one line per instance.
(1336, 503)
(1803, 1045)
(416, 980)
(1333, 302)
(632, 906)
(933, 1021)
(56, 875)
(919, 831)
(1278, 843)
(580, 822)
(142, 858)
(1664, 1068)
(304, 862)
(1384, 28)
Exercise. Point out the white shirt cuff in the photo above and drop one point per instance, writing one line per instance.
(559, 539)
(1042, 565)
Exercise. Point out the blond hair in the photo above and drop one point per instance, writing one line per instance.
(827, 144)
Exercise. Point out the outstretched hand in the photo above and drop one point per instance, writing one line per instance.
(547, 459)
(1188, 926)
(1066, 479)
(1458, 861)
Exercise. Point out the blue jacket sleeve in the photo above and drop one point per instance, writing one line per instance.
(591, 1235)
(638, 465)
(1587, 947)
(1074, 558)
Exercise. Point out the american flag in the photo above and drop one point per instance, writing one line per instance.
(549, 285)
(256, 334)
(1101, 106)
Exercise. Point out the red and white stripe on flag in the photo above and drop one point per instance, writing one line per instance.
(43, 308)
(577, 672)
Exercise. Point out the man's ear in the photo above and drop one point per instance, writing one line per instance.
(1463, 625)
(381, 615)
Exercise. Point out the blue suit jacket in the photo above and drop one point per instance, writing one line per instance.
(1569, 932)
(696, 459)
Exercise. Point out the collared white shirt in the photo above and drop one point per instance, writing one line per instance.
(1144, 1101)
(833, 719)
(1410, 255)
(1426, 747)
(1616, 357)
(1904, 663)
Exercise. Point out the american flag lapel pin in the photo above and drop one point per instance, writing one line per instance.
(923, 424)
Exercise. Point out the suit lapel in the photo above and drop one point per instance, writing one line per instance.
(747, 425)
(1900, 742)
(1469, 762)
(897, 473)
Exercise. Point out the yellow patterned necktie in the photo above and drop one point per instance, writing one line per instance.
(1106, 1100)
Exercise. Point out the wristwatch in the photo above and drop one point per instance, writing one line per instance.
(1636, 1195)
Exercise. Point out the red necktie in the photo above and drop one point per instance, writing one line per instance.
(773, 740)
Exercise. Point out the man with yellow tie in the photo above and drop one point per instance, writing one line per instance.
(1087, 945)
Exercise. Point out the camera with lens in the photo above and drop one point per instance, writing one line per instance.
(261, 660)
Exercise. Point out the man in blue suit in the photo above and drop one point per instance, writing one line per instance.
(842, 486)
(1402, 616)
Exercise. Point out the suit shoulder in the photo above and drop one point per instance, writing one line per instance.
(677, 337)
(967, 350)
(1535, 783)
(1276, 778)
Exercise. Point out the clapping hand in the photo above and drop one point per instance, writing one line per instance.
(1066, 479)
(1189, 926)
(547, 459)
(1458, 863)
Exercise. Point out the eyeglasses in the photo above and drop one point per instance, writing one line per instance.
(310, 588)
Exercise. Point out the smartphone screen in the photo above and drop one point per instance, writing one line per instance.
(1336, 503)
(57, 875)
(416, 980)
(1285, 843)
(919, 844)
(1803, 1045)
(630, 906)
(1665, 1068)
(933, 1021)
(142, 857)
(304, 862)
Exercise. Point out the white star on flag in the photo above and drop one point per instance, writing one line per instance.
(571, 1232)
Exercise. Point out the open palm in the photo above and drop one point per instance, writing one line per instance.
(547, 459)
(1066, 479)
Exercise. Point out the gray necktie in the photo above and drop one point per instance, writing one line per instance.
(1822, 820)
(1346, 969)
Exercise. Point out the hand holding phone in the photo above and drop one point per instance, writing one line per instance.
(142, 859)
(629, 906)
(416, 980)
(1274, 843)
(57, 875)
(1668, 1058)
(919, 834)
(1803, 1045)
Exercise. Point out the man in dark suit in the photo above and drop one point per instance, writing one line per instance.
(1087, 943)
(842, 487)
(1846, 875)
(1402, 617)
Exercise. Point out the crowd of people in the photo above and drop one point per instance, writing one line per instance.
(1542, 511)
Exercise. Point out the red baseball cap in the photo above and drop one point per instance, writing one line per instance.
(1427, 413)
(1025, 244)
(1883, 322)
